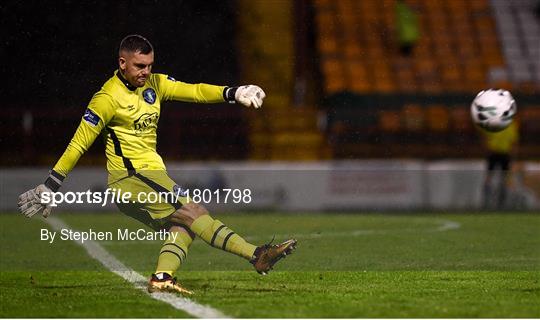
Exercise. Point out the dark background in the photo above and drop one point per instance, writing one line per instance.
(57, 54)
(60, 52)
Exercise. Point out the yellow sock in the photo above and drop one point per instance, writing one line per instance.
(173, 252)
(219, 236)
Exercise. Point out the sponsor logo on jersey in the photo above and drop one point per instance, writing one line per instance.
(149, 95)
(146, 122)
(91, 118)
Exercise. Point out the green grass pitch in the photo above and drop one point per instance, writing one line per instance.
(346, 265)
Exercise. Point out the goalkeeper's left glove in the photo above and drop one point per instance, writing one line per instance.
(248, 95)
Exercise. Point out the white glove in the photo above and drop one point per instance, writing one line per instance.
(30, 202)
(250, 96)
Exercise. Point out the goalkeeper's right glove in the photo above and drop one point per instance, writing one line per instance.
(31, 201)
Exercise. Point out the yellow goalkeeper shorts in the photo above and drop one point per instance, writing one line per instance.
(148, 196)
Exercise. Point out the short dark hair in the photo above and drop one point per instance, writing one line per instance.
(136, 43)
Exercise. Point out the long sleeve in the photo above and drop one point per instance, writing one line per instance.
(171, 89)
(99, 112)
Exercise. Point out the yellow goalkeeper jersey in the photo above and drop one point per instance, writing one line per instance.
(502, 141)
(127, 118)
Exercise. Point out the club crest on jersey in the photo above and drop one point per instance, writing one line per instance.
(91, 118)
(149, 95)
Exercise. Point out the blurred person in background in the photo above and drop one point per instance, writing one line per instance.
(408, 30)
(500, 147)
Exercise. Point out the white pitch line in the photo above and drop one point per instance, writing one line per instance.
(97, 252)
(448, 225)
(445, 226)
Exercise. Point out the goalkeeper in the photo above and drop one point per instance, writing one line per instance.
(126, 112)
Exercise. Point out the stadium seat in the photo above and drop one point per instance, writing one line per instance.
(389, 121)
(437, 118)
(413, 117)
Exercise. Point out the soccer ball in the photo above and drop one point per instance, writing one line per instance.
(493, 109)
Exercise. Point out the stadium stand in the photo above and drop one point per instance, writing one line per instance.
(455, 51)
(422, 98)
(279, 131)
(520, 38)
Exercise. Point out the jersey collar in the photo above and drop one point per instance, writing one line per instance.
(125, 82)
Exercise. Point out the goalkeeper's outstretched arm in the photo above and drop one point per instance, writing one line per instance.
(247, 95)
(96, 116)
